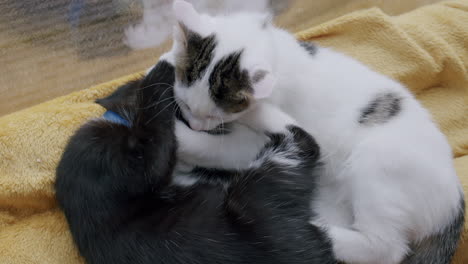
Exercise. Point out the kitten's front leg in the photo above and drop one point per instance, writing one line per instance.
(233, 150)
(236, 149)
(265, 117)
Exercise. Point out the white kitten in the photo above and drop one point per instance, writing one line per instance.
(389, 194)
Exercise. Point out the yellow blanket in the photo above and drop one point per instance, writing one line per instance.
(426, 49)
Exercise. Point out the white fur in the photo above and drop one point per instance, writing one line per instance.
(183, 180)
(384, 185)
(158, 20)
(209, 151)
(264, 87)
(197, 98)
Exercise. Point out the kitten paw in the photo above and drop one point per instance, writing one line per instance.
(267, 118)
(354, 246)
(340, 238)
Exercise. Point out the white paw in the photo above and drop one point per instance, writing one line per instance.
(353, 246)
(267, 118)
(339, 237)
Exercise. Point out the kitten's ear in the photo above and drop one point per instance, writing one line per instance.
(263, 83)
(180, 34)
(187, 17)
(124, 95)
(267, 20)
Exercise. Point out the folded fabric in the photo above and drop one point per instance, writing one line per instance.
(426, 49)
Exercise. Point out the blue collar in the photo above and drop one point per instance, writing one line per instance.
(115, 118)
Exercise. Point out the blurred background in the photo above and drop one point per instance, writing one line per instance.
(50, 48)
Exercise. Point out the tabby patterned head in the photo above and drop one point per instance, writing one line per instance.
(219, 73)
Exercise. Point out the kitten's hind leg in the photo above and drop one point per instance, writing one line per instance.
(356, 246)
(378, 233)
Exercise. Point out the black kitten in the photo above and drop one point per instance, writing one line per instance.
(114, 186)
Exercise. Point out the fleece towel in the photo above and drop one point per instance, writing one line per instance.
(426, 49)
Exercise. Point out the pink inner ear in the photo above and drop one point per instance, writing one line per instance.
(264, 87)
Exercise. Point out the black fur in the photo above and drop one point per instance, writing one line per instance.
(114, 186)
(210, 175)
(309, 47)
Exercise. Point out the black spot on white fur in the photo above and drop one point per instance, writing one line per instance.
(309, 47)
(381, 109)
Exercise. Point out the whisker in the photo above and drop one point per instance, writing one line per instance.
(179, 102)
(153, 84)
(151, 119)
(163, 93)
(154, 92)
(157, 102)
(176, 107)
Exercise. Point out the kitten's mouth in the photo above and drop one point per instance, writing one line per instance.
(194, 123)
(221, 129)
(184, 112)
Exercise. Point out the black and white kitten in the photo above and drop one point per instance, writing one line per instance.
(114, 184)
(389, 193)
